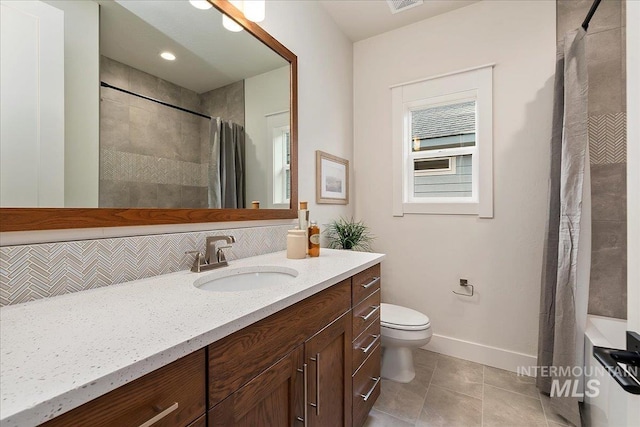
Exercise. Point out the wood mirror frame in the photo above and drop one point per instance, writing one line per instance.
(23, 219)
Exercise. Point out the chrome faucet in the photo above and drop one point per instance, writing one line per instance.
(213, 256)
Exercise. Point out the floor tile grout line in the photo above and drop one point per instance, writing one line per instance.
(510, 391)
(514, 392)
(424, 401)
(544, 412)
(460, 392)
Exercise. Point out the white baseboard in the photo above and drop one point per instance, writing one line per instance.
(479, 353)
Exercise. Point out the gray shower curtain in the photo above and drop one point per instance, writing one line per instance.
(559, 328)
(226, 165)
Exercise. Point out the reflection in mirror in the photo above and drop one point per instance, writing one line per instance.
(208, 129)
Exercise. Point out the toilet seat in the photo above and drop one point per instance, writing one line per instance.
(402, 318)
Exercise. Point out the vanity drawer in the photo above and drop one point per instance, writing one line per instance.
(176, 391)
(365, 313)
(364, 345)
(236, 359)
(364, 283)
(366, 387)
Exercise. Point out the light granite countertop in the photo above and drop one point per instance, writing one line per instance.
(61, 352)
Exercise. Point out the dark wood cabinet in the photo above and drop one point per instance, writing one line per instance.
(200, 422)
(366, 357)
(241, 356)
(328, 357)
(366, 387)
(273, 398)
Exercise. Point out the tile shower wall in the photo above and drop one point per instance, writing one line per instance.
(150, 155)
(607, 147)
(226, 102)
(30, 272)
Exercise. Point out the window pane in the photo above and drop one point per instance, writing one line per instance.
(454, 183)
(444, 126)
(287, 178)
(287, 144)
(427, 165)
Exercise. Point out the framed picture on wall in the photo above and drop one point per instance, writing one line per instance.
(332, 179)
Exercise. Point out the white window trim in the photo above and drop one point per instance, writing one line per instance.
(476, 83)
(276, 122)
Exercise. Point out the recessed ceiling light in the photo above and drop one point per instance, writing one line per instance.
(168, 56)
(200, 4)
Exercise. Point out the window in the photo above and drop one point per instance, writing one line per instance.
(279, 173)
(281, 165)
(442, 145)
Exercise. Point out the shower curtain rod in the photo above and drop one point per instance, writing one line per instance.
(594, 6)
(103, 84)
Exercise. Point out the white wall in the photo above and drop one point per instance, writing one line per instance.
(325, 91)
(428, 254)
(82, 100)
(32, 104)
(264, 94)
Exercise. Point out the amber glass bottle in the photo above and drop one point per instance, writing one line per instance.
(314, 239)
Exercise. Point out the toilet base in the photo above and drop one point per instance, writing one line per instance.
(397, 364)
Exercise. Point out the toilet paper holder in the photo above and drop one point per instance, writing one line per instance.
(465, 283)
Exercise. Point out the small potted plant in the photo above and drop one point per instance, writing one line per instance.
(349, 235)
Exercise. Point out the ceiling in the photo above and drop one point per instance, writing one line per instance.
(361, 19)
(208, 56)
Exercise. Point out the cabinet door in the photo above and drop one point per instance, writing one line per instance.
(328, 357)
(273, 398)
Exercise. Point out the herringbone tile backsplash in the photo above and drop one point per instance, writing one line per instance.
(30, 272)
(608, 138)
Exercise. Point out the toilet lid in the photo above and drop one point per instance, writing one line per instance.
(397, 317)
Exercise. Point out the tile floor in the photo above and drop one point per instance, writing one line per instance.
(457, 393)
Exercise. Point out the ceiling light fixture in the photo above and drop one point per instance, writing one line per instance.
(229, 23)
(253, 10)
(200, 4)
(168, 56)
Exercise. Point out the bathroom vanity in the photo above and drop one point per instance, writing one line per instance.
(306, 353)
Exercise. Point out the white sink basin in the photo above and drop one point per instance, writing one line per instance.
(245, 278)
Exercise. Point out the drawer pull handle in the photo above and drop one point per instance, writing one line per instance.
(375, 280)
(317, 404)
(160, 416)
(305, 384)
(374, 309)
(366, 349)
(366, 397)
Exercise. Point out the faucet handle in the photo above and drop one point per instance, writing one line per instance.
(196, 262)
(220, 253)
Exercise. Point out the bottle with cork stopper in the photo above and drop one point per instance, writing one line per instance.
(303, 219)
(314, 239)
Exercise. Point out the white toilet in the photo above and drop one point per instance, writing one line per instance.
(402, 329)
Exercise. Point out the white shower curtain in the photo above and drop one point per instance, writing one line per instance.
(565, 278)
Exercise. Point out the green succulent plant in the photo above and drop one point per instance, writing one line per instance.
(349, 234)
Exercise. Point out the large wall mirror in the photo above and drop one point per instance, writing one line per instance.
(135, 112)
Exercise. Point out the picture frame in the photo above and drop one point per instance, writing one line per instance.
(332, 179)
